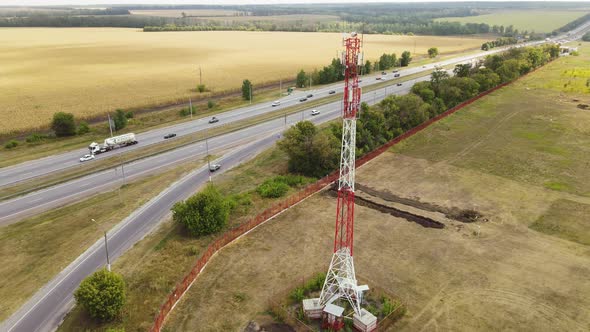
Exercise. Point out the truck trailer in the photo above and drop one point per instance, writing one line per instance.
(113, 143)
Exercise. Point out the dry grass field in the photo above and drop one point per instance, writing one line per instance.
(530, 20)
(523, 266)
(92, 71)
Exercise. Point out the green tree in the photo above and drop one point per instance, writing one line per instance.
(83, 128)
(102, 295)
(201, 88)
(120, 119)
(368, 67)
(432, 52)
(247, 90)
(424, 91)
(301, 79)
(63, 124)
(486, 78)
(437, 79)
(205, 213)
(311, 152)
(462, 70)
(404, 61)
(509, 70)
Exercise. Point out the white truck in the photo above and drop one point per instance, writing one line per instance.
(112, 143)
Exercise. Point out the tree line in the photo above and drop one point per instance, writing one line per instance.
(334, 72)
(314, 152)
(498, 42)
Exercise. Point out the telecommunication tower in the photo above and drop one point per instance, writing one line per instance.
(341, 283)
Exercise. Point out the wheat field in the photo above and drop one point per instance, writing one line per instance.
(91, 71)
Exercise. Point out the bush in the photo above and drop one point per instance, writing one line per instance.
(272, 189)
(129, 115)
(205, 213)
(83, 128)
(35, 138)
(297, 294)
(201, 88)
(184, 112)
(102, 295)
(63, 124)
(11, 144)
(210, 104)
(120, 119)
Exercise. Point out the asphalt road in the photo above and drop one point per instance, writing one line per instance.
(44, 166)
(19, 207)
(45, 310)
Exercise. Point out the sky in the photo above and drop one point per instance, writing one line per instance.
(197, 2)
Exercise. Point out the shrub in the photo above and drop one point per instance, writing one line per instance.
(297, 294)
(120, 119)
(272, 189)
(184, 112)
(35, 138)
(205, 213)
(129, 115)
(102, 295)
(63, 124)
(11, 144)
(201, 88)
(83, 128)
(210, 104)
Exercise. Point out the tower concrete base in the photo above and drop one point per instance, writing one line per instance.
(364, 322)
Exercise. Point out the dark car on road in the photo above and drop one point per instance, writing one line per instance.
(331, 92)
(214, 167)
(167, 136)
(399, 84)
(378, 78)
(309, 95)
(303, 99)
(383, 73)
(213, 120)
(396, 75)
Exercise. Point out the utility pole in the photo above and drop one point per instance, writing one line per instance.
(110, 124)
(280, 87)
(207, 151)
(190, 103)
(200, 76)
(106, 246)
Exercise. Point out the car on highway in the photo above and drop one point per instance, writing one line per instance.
(395, 71)
(302, 99)
(360, 81)
(399, 84)
(331, 92)
(315, 112)
(213, 120)
(383, 73)
(167, 136)
(276, 103)
(309, 95)
(396, 75)
(378, 78)
(214, 167)
(86, 157)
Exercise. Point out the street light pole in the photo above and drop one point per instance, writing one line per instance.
(208, 159)
(106, 246)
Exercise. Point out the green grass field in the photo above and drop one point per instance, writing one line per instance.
(530, 20)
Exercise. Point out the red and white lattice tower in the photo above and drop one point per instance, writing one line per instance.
(340, 281)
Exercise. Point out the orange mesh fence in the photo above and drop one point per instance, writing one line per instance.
(233, 234)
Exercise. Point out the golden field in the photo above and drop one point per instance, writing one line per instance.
(91, 71)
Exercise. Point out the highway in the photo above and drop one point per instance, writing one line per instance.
(45, 310)
(15, 209)
(44, 166)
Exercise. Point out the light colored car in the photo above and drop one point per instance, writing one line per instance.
(214, 167)
(276, 103)
(315, 112)
(86, 157)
